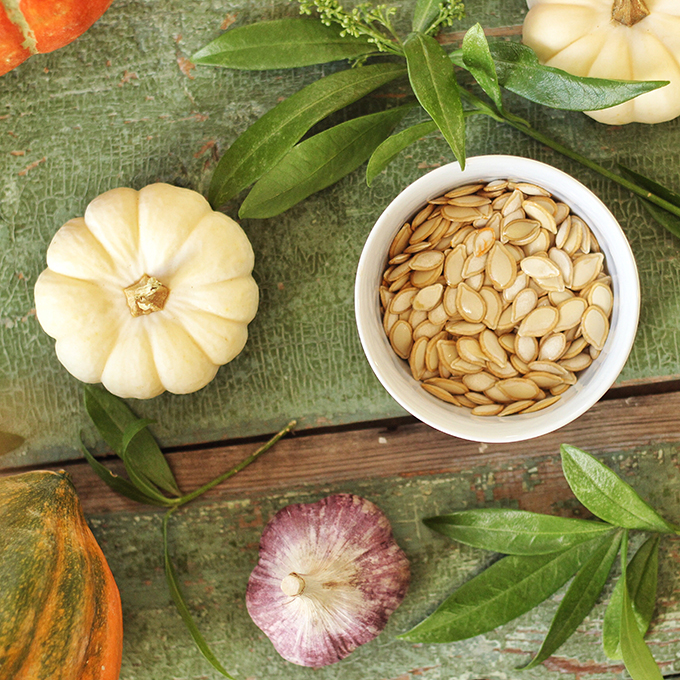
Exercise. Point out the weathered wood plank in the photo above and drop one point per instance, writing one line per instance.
(408, 449)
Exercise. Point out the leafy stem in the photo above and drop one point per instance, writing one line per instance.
(570, 153)
(149, 475)
(543, 553)
(230, 473)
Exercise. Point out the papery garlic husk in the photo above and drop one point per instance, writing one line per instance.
(330, 574)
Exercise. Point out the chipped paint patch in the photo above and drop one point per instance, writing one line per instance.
(35, 164)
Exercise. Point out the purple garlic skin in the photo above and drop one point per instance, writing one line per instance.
(330, 574)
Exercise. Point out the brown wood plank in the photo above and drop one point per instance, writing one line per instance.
(411, 449)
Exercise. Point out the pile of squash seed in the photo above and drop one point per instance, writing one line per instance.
(497, 296)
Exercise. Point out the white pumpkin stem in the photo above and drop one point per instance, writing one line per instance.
(629, 12)
(293, 585)
(146, 296)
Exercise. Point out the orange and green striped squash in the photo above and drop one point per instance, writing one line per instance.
(60, 613)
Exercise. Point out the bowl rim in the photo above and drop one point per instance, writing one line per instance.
(373, 338)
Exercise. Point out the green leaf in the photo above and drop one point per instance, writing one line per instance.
(112, 418)
(479, 62)
(430, 72)
(580, 598)
(131, 467)
(507, 589)
(520, 72)
(393, 146)
(142, 483)
(606, 495)
(9, 442)
(271, 137)
(651, 186)
(178, 599)
(456, 56)
(425, 13)
(119, 484)
(636, 655)
(283, 43)
(515, 532)
(133, 430)
(665, 219)
(319, 162)
(642, 573)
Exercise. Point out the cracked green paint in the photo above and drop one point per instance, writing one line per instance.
(121, 106)
(214, 548)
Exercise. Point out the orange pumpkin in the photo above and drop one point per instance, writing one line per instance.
(38, 26)
(60, 613)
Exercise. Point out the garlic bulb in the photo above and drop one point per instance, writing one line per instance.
(329, 576)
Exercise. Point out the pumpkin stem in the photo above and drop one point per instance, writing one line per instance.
(629, 12)
(146, 296)
(293, 585)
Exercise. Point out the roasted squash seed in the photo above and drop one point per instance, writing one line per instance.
(496, 294)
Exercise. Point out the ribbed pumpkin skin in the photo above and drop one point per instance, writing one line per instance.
(60, 613)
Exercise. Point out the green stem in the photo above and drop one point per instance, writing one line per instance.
(170, 574)
(631, 186)
(624, 553)
(230, 473)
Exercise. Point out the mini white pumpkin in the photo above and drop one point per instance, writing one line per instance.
(620, 39)
(150, 291)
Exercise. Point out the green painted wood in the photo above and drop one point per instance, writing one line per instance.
(214, 547)
(122, 107)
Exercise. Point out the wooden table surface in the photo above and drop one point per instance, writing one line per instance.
(122, 106)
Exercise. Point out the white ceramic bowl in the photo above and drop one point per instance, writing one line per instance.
(592, 383)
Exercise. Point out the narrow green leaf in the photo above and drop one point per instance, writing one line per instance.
(118, 484)
(636, 655)
(430, 72)
(457, 58)
(112, 418)
(425, 13)
(319, 162)
(282, 43)
(9, 442)
(132, 430)
(508, 588)
(580, 598)
(651, 186)
(271, 137)
(142, 483)
(667, 220)
(178, 599)
(479, 62)
(642, 575)
(515, 532)
(606, 495)
(393, 146)
(520, 72)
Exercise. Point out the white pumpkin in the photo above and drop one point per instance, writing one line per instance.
(620, 39)
(150, 291)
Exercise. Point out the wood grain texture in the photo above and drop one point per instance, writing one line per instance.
(123, 106)
(411, 472)
(407, 449)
